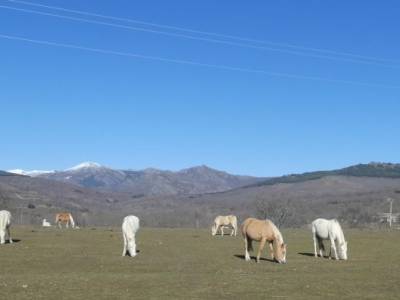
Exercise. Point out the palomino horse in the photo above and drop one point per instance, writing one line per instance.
(224, 221)
(64, 218)
(263, 231)
(323, 229)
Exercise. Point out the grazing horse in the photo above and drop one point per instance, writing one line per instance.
(224, 221)
(323, 229)
(5, 224)
(130, 226)
(64, 218)
(263, 231)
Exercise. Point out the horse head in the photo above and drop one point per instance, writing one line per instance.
(343, 250)
(214, 229)
(280, 253)
(131, 247)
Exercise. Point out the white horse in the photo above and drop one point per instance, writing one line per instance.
(5, 224)
(130, 226)
(224, 221)
(323, 229)
(46, 223)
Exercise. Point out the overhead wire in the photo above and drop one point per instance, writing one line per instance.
(288, 45)
(194, 63)
(285, 51)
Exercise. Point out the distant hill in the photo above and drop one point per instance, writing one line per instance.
(385, 170)
(354, 195)
(3, 173)
(353, 200)
(196, 180)
(30, 199)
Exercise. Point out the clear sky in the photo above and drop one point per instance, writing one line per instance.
(61, 106)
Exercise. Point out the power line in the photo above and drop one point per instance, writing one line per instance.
(201, 38)
(327, 51)
(193, 63)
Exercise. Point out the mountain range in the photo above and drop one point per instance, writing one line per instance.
(195, 180)
(100, 195)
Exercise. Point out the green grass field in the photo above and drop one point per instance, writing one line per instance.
(191, 264)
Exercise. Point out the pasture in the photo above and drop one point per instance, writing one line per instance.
(48, 263)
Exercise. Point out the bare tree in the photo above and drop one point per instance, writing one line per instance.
(197, 218)
(278, 211)
(3, 201)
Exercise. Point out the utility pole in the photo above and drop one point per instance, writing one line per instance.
(390, 211)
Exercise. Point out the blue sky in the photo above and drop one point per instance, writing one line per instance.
(61, 106)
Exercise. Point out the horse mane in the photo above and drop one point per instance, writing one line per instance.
(341, 230)
(277, 233)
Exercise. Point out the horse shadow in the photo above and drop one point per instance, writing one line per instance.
(311, 254)
(128, 253)
(254, 258)
(225, 234)
(14, 241)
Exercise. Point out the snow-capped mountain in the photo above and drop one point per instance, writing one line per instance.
(85, 165)
(32, 173)
(196, 180)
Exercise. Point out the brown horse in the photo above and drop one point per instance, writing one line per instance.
(263, 231)
(64, 218)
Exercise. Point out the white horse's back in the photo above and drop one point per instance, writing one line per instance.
(321, 228)
(130, 224)
(324, 227)
(5, 218)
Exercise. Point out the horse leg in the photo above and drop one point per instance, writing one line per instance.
(246, 249)
(271, 249)
(260, 249)
(125, 242)
(315, 244)
(9, 235)
(222, 230)
(233, 230)
(2, 237)
(59, 224)
(333, 246)
(321, 247)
